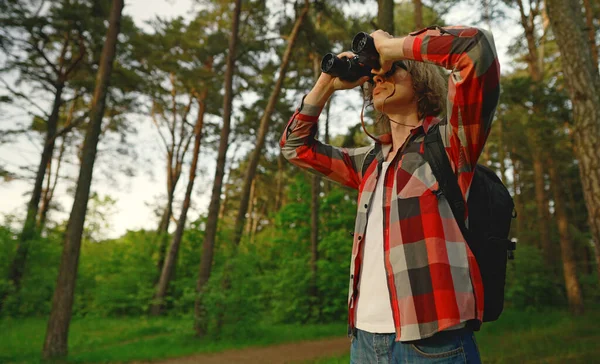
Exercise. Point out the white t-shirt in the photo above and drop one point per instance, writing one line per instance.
(374, 310)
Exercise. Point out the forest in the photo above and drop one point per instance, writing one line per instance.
(242, 249)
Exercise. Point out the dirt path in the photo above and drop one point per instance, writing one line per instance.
(277, 354)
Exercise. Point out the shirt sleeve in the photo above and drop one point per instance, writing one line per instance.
(299, 146)
(473, 88)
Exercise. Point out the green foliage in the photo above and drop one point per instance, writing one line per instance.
(115, 276)
(288, 256)
(531, 285)
(337, 213)
(101, 340)
(290, 252)
(35, 295)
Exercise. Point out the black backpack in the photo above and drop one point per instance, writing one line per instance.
(491, 209)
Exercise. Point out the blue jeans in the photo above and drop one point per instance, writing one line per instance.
(453, 346)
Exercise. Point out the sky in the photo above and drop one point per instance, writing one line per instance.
(134, 195)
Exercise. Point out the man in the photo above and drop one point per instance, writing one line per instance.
(416, 293)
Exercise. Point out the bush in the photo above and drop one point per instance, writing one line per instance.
(530, 284)
(34, 297)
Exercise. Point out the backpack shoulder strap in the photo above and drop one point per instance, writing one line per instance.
(435, 155)
(368, 160)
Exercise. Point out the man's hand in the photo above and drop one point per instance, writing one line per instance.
(327, 84)
(336, 83)
(382, 38)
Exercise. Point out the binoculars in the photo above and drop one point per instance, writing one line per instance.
(351, 69)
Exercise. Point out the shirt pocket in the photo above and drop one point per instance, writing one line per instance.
(414, 177)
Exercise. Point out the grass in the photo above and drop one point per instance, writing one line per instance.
(534, 337)
(518, 337)
(101, 340)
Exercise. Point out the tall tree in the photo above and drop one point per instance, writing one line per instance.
(385, 15)
(215, 200)
(418, 14)
(171, 106)
(567, 247)
(314, 204)
(535, 67)
(255, 156)
(176, 145)
(169, 264)
(264, 125)
(55, 344)
(583, 84)
(65, 42)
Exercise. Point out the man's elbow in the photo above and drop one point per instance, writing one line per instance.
(289, 153)
(286, 150)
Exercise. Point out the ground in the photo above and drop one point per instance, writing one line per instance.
(278, 354)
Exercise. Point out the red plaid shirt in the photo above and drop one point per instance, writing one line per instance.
(432, 275)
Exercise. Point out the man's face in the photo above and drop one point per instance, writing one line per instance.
(403, 96)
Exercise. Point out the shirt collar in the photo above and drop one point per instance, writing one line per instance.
(429, 122)
(384, 141)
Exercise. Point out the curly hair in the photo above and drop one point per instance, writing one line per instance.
(430, 86)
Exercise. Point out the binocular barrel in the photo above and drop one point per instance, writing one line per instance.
(347, 69)
(363, 43)
(351, 69)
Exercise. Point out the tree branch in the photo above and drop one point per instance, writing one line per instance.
(182, 132)
(22, 96)
(79, 58)
(41, 53)
(61, 58)
(153, 116)
(70, 126)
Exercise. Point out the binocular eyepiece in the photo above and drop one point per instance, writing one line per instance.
(351, 69)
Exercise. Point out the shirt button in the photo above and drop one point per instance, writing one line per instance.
(351, 276)
(360, 238)
(366, 206)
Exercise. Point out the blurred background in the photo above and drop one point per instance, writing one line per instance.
(147, 214)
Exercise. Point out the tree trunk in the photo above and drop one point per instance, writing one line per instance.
(55, 344)
(528, 24)
(215, 201)
(263, 128)
(567, 248)
(50, 188)
(314, 238)
(589, 22)
(327, 183)
(169, 265)
(536, 74)
(45, 199)
(385, 15)
(260, 213)
(174, 164)
(252, 202)
(255, 156)
(162, 233)
(501, 151)
(583, 82)
(313, 291)
(17, 267)
(418, 15)
(280, 169)
(541, 202)
(517, 193)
